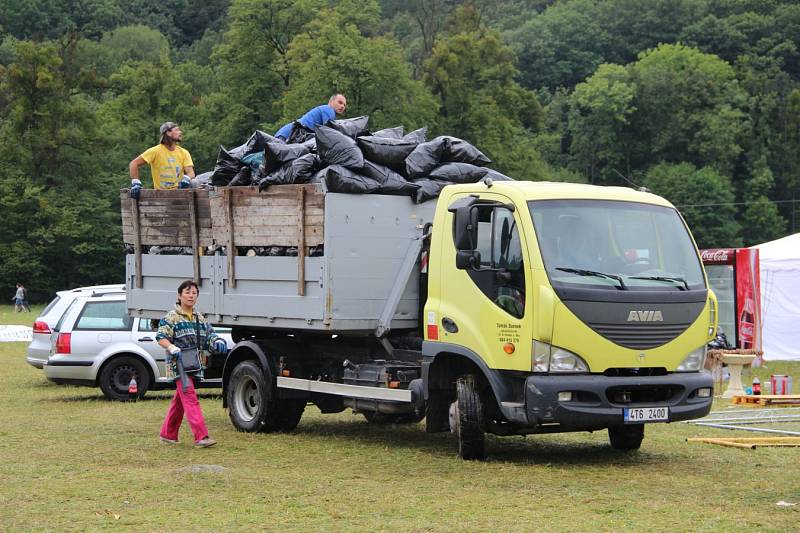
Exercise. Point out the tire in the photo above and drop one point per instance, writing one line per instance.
(626, 438)
(249, 406)
(437, 410)
(290, 411)
(469, 419)
(116, 376)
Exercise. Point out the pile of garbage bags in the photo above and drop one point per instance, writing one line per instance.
(351, 159)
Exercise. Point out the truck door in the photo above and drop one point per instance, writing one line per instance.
(487, 308)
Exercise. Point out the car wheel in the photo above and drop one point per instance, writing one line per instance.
(249, 405)
(469, 419)
(626, 438)
(116, 375)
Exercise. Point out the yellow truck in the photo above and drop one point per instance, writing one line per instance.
(501, 307)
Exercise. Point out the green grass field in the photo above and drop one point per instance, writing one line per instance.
(70, 460)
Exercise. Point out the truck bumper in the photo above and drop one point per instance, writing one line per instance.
(599, 401)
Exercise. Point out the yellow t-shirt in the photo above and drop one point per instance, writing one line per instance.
(167, 166)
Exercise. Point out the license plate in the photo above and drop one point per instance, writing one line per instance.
(640, 415)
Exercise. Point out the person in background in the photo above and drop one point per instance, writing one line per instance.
(170, 165)
(303, 127)
(176, 331)
(25, 305)
(19, 299)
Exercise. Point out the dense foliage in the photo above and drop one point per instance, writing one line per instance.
(698, 100)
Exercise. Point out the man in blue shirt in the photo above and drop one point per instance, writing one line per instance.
(315, 117)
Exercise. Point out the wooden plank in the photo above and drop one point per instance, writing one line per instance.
(276, 220)
(195, 240)
(231, 251)
(261, 210)
(137, 242)
(301, 245)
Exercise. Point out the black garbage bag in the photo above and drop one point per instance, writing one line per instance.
(311, 144)
(390, 133)
(460, 151)
(386, 150)
(720, 342)
(342, 179)
(497, 176)
(390, 181)
(352, 127)
(201, 180)
(425, 157)
(300, 134)
(300, 170)
(277, 154)
(428, 189)
(417, 136)
(458, 173)
(242, 178)
(225, 168)
(336, 148)
(255, 144)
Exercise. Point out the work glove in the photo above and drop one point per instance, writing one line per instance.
(136, 188)
(174, 352)
(220, 346)
(185, 183)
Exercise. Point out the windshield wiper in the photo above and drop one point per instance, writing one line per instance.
(665, 278)
(583, 272)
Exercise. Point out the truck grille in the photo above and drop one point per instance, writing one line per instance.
(640, 336)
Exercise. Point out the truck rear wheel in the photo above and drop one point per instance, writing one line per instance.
(290, 411)
(469, 419)
(626, 437)
(249, 406)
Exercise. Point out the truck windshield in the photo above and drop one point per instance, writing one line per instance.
(614, 245)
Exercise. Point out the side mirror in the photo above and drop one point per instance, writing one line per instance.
(465, 226)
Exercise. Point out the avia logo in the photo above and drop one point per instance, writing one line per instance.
(645, 316)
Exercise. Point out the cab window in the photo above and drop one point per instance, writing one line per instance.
(501, 276)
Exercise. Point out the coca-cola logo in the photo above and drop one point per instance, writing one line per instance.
(746, 330)
(716, 255)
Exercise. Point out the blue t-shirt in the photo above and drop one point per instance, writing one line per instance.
(316, 117)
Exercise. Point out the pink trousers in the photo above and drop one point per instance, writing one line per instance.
(184, 403)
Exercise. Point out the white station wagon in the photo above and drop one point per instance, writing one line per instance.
(97, 343)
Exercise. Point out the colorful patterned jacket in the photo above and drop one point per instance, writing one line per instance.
(179, 328)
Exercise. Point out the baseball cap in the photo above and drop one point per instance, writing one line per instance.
(165, 127)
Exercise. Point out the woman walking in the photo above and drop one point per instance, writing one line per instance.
(183, 328)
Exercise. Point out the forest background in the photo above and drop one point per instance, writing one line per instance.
(698, 100)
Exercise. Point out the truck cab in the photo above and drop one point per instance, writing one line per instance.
(563, 307)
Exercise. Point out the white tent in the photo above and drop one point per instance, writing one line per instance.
(780, 298)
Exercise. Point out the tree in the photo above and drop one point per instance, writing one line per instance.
(600, 116)
(334, 56)
(472, 73)
(704, 197)
(688, 108)
(761, 221)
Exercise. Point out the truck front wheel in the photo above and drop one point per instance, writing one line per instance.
(626, 437)
(468, 419)
(250, 408)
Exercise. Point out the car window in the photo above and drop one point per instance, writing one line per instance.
(110, 316)
(148, 324)
(64, 315)
(50, 305)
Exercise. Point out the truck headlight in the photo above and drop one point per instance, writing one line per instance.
(694, 361)
(549, 358)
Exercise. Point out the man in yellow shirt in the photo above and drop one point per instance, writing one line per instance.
(170, 165)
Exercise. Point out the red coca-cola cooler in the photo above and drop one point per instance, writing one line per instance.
(733, 275)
